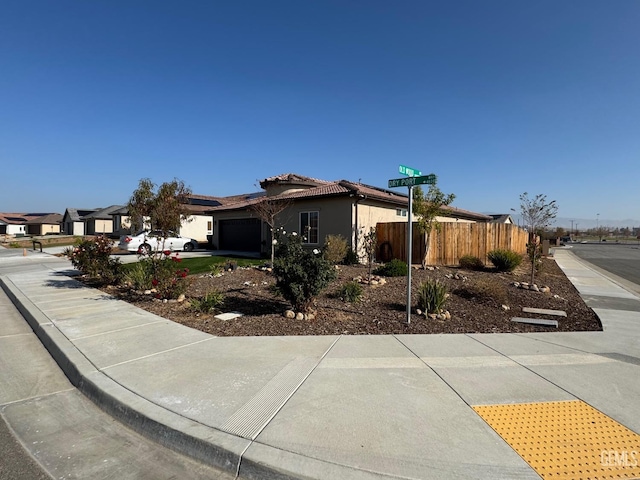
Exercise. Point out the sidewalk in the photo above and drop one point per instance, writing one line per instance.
(361, 407)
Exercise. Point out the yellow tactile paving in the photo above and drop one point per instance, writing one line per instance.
(566, 440)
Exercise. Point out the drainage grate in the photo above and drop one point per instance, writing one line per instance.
(566, 440)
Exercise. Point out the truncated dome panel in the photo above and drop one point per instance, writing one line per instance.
(566, 440)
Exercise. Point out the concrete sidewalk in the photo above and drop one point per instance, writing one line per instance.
(393, 406)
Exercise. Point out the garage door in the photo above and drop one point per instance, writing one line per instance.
(242, 235)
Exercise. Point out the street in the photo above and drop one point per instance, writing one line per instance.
(620, 259)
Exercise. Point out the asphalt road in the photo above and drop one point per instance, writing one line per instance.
(621, 259)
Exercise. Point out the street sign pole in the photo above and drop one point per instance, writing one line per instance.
(409, 253)
(415, 177)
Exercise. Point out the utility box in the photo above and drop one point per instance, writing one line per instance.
(545, 248)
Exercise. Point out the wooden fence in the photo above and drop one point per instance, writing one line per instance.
(453, 241)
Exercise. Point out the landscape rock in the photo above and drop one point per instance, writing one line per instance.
(290, 314)
(299, 316)
(447, 315)
(419, 312)
(506, 307)
(181, 298)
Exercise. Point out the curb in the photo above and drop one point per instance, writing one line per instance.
(205, 444)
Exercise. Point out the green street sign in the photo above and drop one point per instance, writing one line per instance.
(412, 181)
(408, 171)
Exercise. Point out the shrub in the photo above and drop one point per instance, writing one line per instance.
(351, 258)
(212, 300)
(92, 257)
(139, 276)
(301, 274)
(351, 292)
(504, 260)
(471, 262)
(394, 268)
(167, 279)
(159, 273)
(215, 269)
(432, 296)
(335, 248)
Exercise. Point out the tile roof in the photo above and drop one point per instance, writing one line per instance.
(292, 178)
(325, 188)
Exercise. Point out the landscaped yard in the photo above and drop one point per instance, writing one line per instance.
(477, 303)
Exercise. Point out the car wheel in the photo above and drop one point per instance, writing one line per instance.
(188, 247)
(144, 249)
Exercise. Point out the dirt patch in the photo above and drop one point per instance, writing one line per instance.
(475, 303)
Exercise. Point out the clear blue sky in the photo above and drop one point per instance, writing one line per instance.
(494, 97)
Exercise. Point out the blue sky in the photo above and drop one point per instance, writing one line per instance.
(496, 98)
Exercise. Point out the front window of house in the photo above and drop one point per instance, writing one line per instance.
(309, 223)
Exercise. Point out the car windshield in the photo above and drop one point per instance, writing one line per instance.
(158, 233)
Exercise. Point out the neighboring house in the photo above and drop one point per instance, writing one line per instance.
(100, 221)
(121, 223)
(317, 208)
(73, 221)
(93, 221)
(501, 218)
(49, 224)
(19, 224)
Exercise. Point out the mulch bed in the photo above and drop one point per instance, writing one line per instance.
(476, 304)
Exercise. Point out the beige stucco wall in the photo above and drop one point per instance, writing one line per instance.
(369, 214)
(196, 227)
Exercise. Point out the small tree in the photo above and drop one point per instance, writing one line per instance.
(267, 210)
(369, 241)
(427, 207)
(536, 213)
(164, 210)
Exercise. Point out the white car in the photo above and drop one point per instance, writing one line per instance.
(146, 242)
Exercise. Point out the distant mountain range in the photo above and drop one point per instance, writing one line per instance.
(586, 223)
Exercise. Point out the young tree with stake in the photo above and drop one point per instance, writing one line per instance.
(536, 213)
(427, 207)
